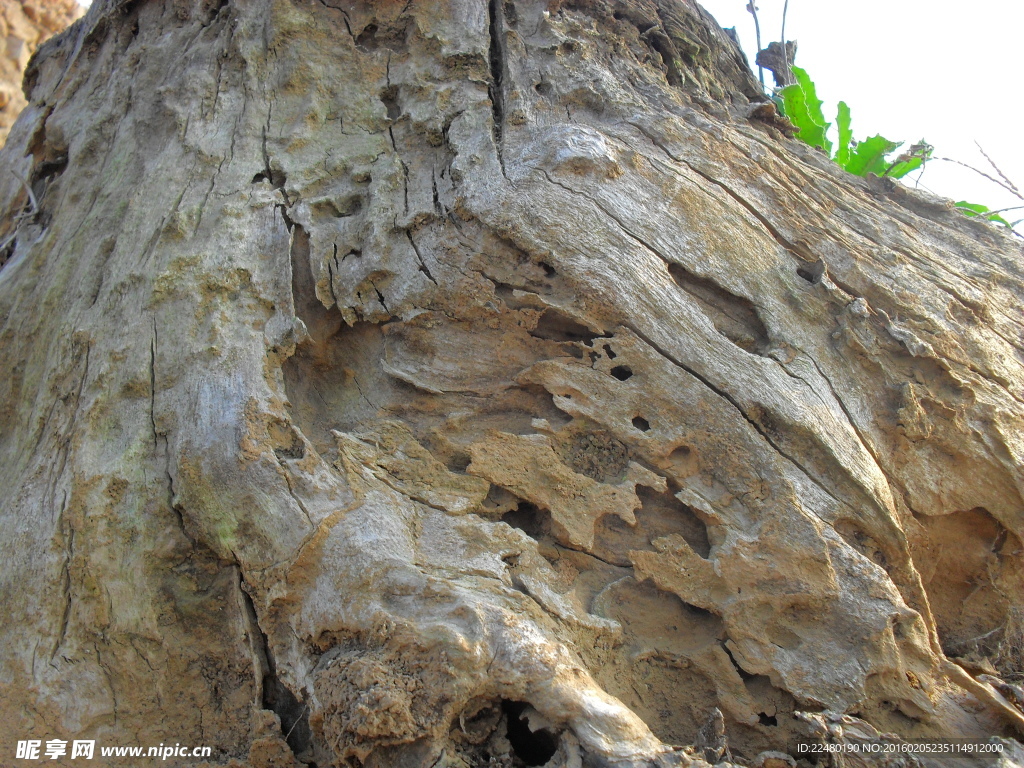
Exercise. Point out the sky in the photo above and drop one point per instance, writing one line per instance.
(950, 73)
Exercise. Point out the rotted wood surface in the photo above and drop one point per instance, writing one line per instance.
(374, 374)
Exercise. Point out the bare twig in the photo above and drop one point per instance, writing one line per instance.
(917, 181)
(985, 636)
(993, 164)
(992, 217)
(1004, 210)
(31, 196)
(32, 211)
(757, 32)
(1011, 189)
(304, 708)
(785, 50)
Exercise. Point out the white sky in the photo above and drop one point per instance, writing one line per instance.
(948, 72)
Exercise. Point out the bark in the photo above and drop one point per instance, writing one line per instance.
(376, 375)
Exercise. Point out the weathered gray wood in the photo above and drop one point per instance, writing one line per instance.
(368, 365)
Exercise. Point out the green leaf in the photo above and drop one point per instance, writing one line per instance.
(976, 209)
(808, 131)
(803, 108)
(811, 94)
(780, 104)
(899, 170)
(845, 134)
(869, 156)
(971, 209)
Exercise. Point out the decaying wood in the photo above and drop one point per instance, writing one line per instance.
(377, 378)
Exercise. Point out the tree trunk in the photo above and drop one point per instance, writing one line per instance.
(374, 374)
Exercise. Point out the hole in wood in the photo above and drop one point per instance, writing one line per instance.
(622, 372)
